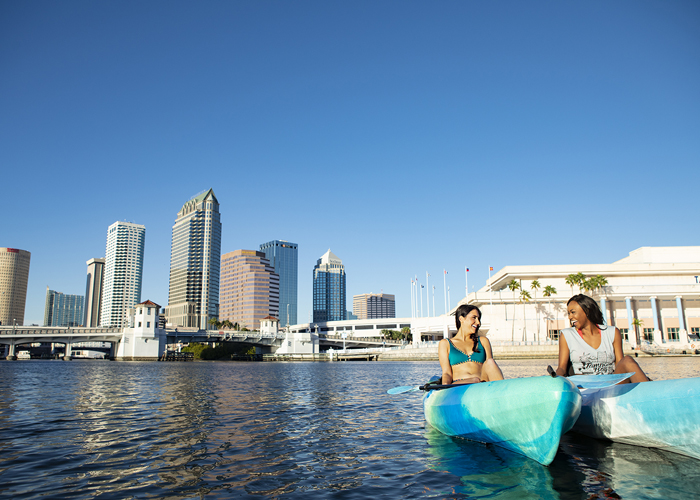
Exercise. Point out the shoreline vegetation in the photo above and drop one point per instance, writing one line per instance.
(222, 352)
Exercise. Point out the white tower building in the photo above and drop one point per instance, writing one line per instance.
(123, 272)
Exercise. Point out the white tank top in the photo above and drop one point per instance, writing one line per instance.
(589, 361)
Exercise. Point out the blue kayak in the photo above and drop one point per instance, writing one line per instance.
(664, 414)
(524, 415)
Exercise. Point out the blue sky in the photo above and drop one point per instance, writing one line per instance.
(405, 136)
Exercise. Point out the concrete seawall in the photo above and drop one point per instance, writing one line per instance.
(430, 353)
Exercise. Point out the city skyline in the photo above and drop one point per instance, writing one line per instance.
(409, 137)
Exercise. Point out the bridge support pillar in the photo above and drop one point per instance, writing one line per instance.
(67, 356)
(11, 352)
(112, 350)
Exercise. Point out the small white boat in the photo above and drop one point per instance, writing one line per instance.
(664, 414)
(24, 355)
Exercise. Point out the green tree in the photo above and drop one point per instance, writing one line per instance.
(588, 285)
(227, 324)
(535, 285)
(215, 323)
(571, 281)
(524, 297)
(548, 291)
(406, 331)
(513, 286)
(639, 325)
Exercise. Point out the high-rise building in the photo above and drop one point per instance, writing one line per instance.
(14, 275)
(93, 291)
(250, 288)
(195, 260)
(283, 256)
(374, 305)
(62, 309)
(329, 288)
(123, 272)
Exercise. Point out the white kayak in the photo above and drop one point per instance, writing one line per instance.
(664, 414)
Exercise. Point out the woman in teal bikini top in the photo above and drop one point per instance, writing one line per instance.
(459, 366)
(457, 357)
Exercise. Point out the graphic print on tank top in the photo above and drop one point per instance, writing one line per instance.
(598, 363)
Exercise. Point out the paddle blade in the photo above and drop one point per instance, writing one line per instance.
(598, 381)
(402, 388)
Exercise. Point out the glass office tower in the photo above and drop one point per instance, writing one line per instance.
(329, 288)
(62, 309)
(283, 256)
(195, 262)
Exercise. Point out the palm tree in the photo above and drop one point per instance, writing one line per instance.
(638, 324)
(215, 323)
(535, 285)
(548, 291)
(513, 286)
(571, 281)
(599, 282)
(227, 324)
(588, 285)
(524, 297)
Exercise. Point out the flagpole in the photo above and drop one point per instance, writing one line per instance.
(427, 292)
(412, 315)
(444, 284)
(490, 297)
(434, 301)
(448, 298)
(466, 284)
(421, 301)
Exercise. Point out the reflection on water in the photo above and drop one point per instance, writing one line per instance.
(88, 429)
(484, 471)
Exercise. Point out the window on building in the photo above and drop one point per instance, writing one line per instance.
(672, 333)
(553, 334)
(139, 323)
(148, 324)
(695, 330)
(648, 334)
(625, 333)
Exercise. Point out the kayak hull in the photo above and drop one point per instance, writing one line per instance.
(664, 414)
(525, 415)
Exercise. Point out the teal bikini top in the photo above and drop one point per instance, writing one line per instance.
(458, 357)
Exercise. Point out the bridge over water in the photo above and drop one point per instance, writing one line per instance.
(13, 337)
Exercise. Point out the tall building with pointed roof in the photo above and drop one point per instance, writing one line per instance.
(329, 288)
(195, 261)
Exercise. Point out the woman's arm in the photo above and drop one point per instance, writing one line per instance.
(486, 344)
(444, 357)
(563, 356)
(617, 346)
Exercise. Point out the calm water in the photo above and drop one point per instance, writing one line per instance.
(85, 429)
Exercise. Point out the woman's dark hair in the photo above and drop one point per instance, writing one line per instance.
(462, 312)
(590, 308)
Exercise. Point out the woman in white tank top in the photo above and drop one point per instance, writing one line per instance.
(592, 347)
